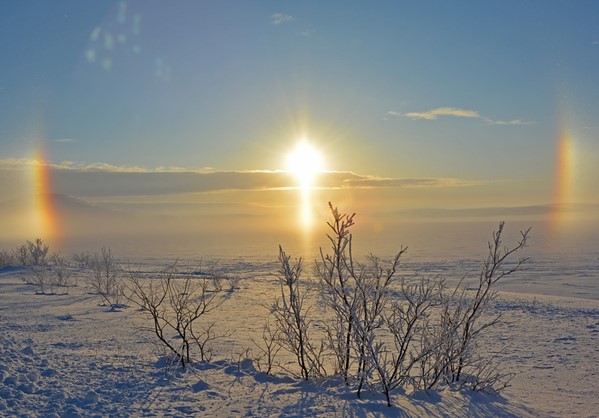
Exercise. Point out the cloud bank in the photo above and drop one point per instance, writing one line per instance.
(99, 179)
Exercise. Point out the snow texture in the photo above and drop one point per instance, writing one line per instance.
(68, 356)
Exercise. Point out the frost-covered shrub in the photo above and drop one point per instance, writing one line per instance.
(293, 325)
(32, 253)
(84, 260)
(390, 332)
(41, 279)
(466, 316)
(106, 279)
(49, 273)
(62, 272)
(357, 295)
(268, 348)
(6, 259)
(177, 302)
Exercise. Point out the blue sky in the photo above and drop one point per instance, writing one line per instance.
(469, 90)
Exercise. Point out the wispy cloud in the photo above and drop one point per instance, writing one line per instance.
(308, 31)
(279, 18)
(455, 112)
(443, 111)
(65, 140)
(507, 122)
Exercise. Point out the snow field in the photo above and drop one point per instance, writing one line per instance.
(67, 356)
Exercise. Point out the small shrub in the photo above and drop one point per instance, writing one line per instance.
(292, 321)
(105, 279)
(268, 349)
(41, 279)
(56, 273)
(62, 271)
(176, 303)
(6, 259)
(84, 260)
(467, 316)
(32, 253)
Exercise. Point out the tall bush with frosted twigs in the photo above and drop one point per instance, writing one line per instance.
(387, 331)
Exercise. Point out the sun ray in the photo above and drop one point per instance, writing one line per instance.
(305, 163)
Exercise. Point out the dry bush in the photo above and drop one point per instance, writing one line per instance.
(292, 323)
(6, 259)
(176, 302)
(268, 349)
(84, 260)
(105, 279)
(32, 253)
(48, 273)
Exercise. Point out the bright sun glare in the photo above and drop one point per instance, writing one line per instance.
(304, 162)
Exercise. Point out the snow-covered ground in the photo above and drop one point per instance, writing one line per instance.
(68, 356)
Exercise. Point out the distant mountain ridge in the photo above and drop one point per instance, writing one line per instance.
(498, 211)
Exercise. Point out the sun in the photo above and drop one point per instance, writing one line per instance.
(305, 163)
